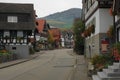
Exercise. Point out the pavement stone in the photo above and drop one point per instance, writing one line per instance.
(81, 69)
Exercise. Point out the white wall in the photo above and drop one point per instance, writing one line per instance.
(97, 22)
(106, 20)
(103, 20)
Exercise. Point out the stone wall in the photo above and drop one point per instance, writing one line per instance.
(93, 44)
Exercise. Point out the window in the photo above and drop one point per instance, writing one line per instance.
(6, 33)
(13, 33)
(12, 19)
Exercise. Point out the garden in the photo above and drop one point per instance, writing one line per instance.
(6, 56)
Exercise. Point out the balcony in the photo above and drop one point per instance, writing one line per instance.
(105, 3)
(91, 10)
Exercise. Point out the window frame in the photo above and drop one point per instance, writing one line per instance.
(12, 19)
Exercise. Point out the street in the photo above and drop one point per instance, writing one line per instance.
(51, 65)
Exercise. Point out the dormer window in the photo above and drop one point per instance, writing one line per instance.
(12, 19)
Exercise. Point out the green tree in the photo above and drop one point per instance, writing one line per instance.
(50, 40)
(78, 28)
(50, 37)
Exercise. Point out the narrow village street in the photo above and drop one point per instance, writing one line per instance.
(60, 40)
(50, 65)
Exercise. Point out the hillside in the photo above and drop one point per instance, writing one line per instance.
(63, 19)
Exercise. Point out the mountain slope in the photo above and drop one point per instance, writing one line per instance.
(63, 19)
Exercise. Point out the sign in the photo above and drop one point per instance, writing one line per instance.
(104, 46)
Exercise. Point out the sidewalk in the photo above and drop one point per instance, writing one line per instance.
(11, 63)
(80, 71)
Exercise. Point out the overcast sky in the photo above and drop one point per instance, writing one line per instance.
(46, 7)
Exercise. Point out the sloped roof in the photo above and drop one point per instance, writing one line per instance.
(41, 25)
(15, 7)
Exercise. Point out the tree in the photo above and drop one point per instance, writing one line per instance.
(50, 40)
(78, 39)
(50, 37)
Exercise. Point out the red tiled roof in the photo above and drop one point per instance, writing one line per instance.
(40, 26)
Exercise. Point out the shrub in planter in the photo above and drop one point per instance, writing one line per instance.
(101, 61)
(116, 51)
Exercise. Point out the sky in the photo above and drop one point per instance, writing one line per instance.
(47, 7)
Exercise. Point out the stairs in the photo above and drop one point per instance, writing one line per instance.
(111, 73)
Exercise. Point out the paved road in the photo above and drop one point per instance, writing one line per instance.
(51, 65)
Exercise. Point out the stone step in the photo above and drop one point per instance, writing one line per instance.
(116, 63)
(106, 71)
(111, 73)
(103, 76)
(113, 67)
(95, 77)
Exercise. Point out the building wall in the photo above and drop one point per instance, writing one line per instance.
(93, 45)
(106, 20)
(92, 8)
(22, 51)
(97, 21)
(102, 22)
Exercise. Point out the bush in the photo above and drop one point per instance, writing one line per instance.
(102, 61)
(116, 51)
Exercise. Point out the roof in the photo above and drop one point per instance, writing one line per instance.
(16, 7)
(41, 25)
(17, 10)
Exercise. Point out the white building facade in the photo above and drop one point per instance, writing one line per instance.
(96, 13)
